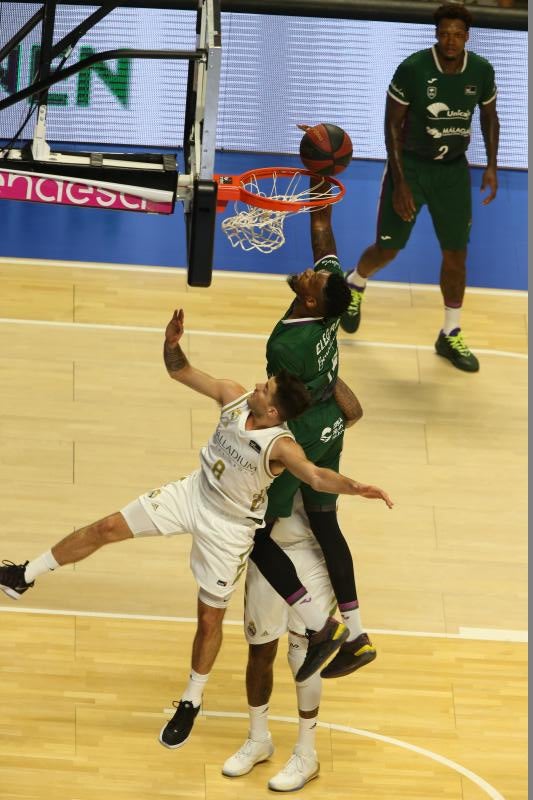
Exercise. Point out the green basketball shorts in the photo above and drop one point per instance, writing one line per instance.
(320, 431)
(444, 186)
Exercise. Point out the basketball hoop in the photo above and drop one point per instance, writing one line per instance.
(265, 197)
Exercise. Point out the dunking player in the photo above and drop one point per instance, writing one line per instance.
(430, 103)
(220, 504)
(266, 618)
(305, 343)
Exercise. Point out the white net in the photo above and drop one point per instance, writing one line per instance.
(254, 228)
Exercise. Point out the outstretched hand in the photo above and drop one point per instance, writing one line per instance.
(175, 328)
(374, 493)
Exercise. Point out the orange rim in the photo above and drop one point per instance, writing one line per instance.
(230, 187)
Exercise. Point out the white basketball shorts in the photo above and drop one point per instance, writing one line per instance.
(221, 543)
(266, 614)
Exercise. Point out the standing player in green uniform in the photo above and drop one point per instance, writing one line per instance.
(305, 342)
(430, 103)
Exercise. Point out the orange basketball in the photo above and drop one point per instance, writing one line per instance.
(326, 149)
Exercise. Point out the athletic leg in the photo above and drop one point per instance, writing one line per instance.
(391, 236)
(303, 764)
(205, 648)
(15, 579)
(450, 206)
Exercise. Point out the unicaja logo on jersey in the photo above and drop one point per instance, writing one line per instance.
(333, 433)
(441, 110)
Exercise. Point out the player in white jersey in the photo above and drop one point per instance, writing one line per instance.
(267, 617)
(220, 504)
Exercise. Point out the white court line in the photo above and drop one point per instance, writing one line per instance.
(467, 634)
(223, 273)
(487, 634)
(238, 335)
(486, 787)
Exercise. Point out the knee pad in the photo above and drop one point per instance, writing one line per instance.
(297, 648)
(310, 690)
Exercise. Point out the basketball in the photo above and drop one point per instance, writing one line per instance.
(326, 149)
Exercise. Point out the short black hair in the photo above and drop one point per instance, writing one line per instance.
(453, 11)
(337, 295)
(291, 397)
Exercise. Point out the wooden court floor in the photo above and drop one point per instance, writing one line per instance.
(93, 656)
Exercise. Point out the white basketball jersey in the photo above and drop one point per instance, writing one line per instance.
(235, 461)
(294, 532)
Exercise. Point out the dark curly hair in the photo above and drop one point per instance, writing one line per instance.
(337, 295)
(453, 11)
(291, 397)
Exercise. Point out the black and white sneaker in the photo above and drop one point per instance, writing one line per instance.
(178, 729)
(12, 580)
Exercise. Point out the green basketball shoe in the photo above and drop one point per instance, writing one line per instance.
(454, 348)
(351, 318)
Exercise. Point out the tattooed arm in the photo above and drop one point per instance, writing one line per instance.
(348, 403)
(322, 238)
(178, 367)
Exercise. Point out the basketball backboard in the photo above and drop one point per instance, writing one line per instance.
(135, 181)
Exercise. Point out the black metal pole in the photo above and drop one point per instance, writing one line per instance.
(108, 55)
(45, 55)
(383, 10)
(21, 34)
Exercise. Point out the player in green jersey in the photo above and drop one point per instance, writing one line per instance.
(430, 103)
(305, 342)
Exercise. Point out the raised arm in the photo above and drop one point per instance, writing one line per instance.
(179, 369)
(290, 455)
(322, 238)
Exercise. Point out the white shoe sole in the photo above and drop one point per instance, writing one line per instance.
(172, 746)
(295, 788)
(250, 768)
(10, 592)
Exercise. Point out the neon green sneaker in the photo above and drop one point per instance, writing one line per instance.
(454, 348)
(352, 316)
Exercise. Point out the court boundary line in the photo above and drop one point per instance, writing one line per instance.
(484, 785)
(238, 335)
(465, 633)
(269, 276)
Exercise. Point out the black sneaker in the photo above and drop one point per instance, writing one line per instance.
(350, 656)
(322, 644)
(178, 729)
(351, 318)
(453, 347)
(12, 579)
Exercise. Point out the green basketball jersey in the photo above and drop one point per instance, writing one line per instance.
(307, 347)
(440, 104)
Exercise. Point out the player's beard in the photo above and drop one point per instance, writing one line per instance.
(291, 280)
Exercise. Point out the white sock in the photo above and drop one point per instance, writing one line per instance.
(39, 566)
(307, 733)
(352, 619)
(258, 722)
(195, 688)
(310, 612)
(356, 280)
(452, 319)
